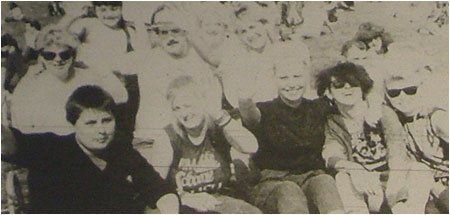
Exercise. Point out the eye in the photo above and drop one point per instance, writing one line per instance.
(283, 77)
(114, 8)
(107, 120)
(90, 122)
(298, 76)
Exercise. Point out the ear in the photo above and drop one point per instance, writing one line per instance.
(328, 94)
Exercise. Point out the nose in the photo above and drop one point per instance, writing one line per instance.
(347, 86)
(294, 18)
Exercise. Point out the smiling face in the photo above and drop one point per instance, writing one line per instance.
(345, 93)
(172, 39)
(109, 15)
(187, 111)
(57, 60)
(290, 81)
(95, 129)
(252, 34)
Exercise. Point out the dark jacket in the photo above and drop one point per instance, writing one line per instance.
(62, 178)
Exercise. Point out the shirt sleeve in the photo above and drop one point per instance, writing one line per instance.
(33, 150)
(333, 150)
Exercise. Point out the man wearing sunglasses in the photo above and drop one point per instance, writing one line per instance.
(425, 124)
(172, 56)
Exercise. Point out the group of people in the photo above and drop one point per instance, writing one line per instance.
(214, 108)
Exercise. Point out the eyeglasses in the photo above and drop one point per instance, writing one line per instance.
(164, 32)
(340, 84)
(408, 91)
(64, 55)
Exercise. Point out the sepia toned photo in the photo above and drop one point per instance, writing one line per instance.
(224, 107)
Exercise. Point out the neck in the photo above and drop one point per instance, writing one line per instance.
(97, 153)
(354, 112)
(197, 131)
(293, 104)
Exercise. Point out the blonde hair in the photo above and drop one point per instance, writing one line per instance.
(187, 83)
(55, 35)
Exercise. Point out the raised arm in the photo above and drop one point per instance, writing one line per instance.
(239, 137)
(250, 113)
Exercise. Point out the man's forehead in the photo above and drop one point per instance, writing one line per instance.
(289, 70)
(402, 82)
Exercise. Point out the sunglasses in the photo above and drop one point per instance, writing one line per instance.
(408, 91)
(341, 84)
(64, 55)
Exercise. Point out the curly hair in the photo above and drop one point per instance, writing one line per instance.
(55, 35)
(347, 72)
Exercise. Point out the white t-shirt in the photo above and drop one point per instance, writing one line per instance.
(242, 69)
(103, 45)
(38, 102)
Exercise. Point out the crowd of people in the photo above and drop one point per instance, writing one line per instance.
(216, 107)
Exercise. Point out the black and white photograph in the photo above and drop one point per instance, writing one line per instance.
(225, 107)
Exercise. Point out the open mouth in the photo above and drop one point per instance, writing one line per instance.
(172, 42)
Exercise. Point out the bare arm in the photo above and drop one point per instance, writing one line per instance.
(250, 113)
(239, 137)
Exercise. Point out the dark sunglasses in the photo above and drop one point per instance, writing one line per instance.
(64, 55)
(408, 91)
(340, 84)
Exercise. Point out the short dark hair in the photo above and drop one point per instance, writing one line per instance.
(88, 97)
(345, 71)
(106, 3)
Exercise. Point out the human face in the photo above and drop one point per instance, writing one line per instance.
(253, 35)
(95, 129)
(345, 93)
(109, 15)
(402, 95)
(187, 110)
(213, 35)
(290, 81)
(57, 60)
(172, 39)
(357, 54)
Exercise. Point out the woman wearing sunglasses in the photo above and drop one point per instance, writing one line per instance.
(412, 94)
(38, 101)
(356, 145)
